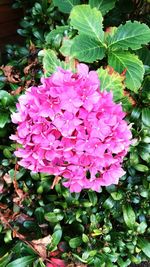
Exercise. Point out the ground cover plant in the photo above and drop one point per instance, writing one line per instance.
(43, 223)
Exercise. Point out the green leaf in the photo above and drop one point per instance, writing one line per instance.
(65, 49)
(39, 213)
(56, 237)
(141, 168)
(130, 35)
(103, 5)
(53, 217)
(144, 55)
(93, 197)
(22, 262)
(111, 80)
(50, 62)
(66, 5)
(75, 242)
(55, 32)
(5, 98)
(85, 238)
(5, 260)
(87, 49)
(136, 112)
(145, 246)
(117, 195)
(129, 216)
(4, 118)
(109, 203)
(125, 61)
(88, 21)
(146, 116)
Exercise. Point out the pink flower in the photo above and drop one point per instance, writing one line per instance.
(67, 127)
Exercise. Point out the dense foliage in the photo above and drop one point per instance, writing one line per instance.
(41, 221)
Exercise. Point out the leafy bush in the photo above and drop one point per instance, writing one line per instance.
(39, 223)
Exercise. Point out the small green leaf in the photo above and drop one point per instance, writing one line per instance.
(85, 238)
(130, 35)
(87, 49)
(39, 213)
(88, 21)
(4, 118)
(117, 195)
(55, 32)
(75, 242)
(53, 217)
(144, 245)
(56, 237)
(109, 203)
(146, 116)
(141, 168)
(130, 63)
(136, 112)
(93, 197)
(103, 5)
(129, 216)
(66, 5)
(22, 262)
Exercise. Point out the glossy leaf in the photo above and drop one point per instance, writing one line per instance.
(144, 245)
(55, 32)
(146, 116)
(23, 262)
(4, 118)
(56, 237)
(129, 216)
(93, 197)
(53, 217)
(5, 260)
(75, 242)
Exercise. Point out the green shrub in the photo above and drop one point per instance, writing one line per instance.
(110, 228)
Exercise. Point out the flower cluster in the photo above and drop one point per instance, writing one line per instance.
(68, 128)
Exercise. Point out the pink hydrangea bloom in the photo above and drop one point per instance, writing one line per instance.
(67, 127)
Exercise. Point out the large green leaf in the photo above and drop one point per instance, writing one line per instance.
(88, 21)
(130, 63)
(22, 262)
(103, 5)
(111, 80)
(145, 246)
(87, 49)
(50, 62)
(130, 35)
(129, 216)
(66, 5)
